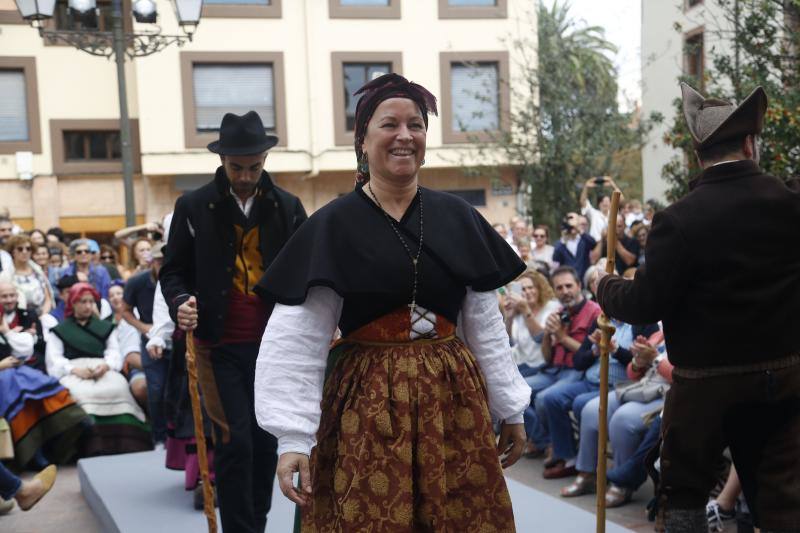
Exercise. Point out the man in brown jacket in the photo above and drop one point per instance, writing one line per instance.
(725, 259)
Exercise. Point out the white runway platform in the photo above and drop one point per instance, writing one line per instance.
(134, 493)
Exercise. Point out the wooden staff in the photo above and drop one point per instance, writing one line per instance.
(199, 434)
(607, 331)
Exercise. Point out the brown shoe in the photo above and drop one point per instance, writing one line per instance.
(34, 490)
(583, 484)
(617, 496)
(559, 470)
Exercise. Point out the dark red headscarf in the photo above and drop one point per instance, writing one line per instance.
(75, 294)
(376, 91)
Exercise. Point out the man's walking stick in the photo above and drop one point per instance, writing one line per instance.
(606, 330)
(199, 434)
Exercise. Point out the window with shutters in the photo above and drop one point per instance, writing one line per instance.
(351, 70)
(219, 83)
(364, 9)
(91, 146)
(474, 95)
(19, 107)
(694, 57)
(468, 9)
(242, 8)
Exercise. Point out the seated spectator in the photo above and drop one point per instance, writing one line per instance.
(45, 421)
(524, 249)
(140, 256)
(37, 237)
(41, 256)
(129, 340)
(81, 266)
(110, 260)
(574, 247)
(542, 250)
(83, 354)
(525, 316)
(26, 493)
(627, 406)
(58, 259)
(627, 250)
(565, 330)
(27, 322)
(28, 277)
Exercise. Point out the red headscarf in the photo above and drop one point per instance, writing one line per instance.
(75, 294)
(376, 91)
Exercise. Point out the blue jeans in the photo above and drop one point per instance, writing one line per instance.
(535, 423)
(155, 371)
(625, 430)
(9, 483)
(556, 403)
(527, 370)
(632, 473)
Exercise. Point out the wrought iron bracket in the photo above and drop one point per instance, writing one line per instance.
(101, 43)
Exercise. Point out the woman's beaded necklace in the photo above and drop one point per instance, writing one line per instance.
(414, 258)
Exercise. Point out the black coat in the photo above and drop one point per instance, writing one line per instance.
(201, 251)
(722, 270)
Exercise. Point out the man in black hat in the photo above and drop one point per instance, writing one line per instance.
(222, 238)
(725, 259)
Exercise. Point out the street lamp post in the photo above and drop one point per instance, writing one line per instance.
(117, 44)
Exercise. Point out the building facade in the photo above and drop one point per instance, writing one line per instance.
(677, 37)
(296, 62)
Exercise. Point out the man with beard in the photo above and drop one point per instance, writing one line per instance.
(724, 260)
(222, 238)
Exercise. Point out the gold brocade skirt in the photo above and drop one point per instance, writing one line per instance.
(405, 441)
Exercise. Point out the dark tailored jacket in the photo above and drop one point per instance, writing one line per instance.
(201, 249)
(722, 271)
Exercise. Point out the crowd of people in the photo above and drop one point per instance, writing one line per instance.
(88, 350)
(551, 318)
(84, 357)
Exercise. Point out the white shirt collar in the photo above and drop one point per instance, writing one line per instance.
(245, 206)
(727, 161)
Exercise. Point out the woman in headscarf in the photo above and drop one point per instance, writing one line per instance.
(404, 438)
(84, 355)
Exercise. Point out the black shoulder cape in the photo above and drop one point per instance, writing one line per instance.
(349, 246)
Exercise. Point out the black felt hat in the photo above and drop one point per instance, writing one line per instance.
(242, 135)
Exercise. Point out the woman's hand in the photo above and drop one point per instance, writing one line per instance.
(511, 443)
(83, 373)
(643, 353)
(288, 464)
(9, 362)
(100, 371)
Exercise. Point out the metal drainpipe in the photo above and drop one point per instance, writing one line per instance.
(312, 145)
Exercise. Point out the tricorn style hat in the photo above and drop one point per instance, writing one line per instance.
(713, 121)
(242, 135)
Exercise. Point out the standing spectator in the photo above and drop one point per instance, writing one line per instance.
(640, 232)
(55, 236)
(501, 229)
(82, 267)
(627, 250)
(110, 261)
(37, 236)
(598, 217)
(140, 256)
(28, 277)
(542, 249)
(574, 248)
(57, 255)
(524, 249)
(6, 229)
(139, 293)
(41, 256)
(634, 213)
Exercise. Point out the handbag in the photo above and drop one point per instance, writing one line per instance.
(649, 388)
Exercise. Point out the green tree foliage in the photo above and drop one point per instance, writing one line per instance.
(765, 50)
(565, 123)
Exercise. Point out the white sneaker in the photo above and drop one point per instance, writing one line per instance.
(716, 516)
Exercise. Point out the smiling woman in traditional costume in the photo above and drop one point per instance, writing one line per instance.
(403, 429)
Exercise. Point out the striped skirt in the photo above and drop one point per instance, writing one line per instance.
(405, 441)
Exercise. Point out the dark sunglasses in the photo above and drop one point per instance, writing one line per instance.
(539, 236)
(82, 252)
(23, 248)
(106, 257)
